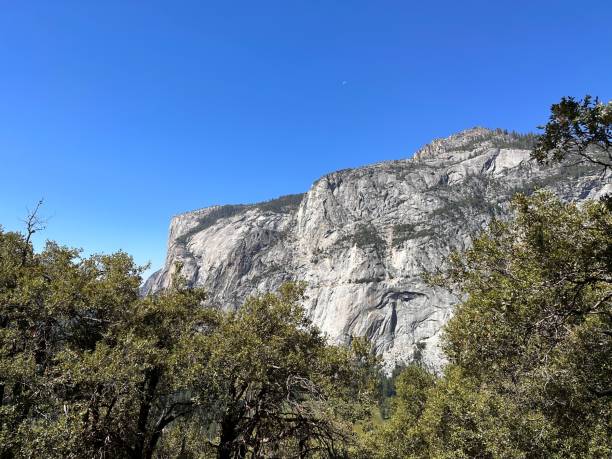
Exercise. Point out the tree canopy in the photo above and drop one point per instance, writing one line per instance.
(529, 348)
(581, 129)
(89, 368)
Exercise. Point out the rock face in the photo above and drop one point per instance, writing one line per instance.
(361, 238)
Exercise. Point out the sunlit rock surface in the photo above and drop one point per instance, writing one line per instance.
(361, 238)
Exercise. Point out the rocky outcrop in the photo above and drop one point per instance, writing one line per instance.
(361, 238)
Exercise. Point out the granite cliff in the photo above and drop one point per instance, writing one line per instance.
(361, 238)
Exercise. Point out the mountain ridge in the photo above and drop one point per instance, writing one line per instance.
(476, 130)
(361, 237)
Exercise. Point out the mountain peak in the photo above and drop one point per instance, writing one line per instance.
(362, 239)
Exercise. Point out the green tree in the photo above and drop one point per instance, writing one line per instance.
(86, 365)
(581, 129)
(535, 327)
(279, 390)
(89, 368)
(529, 348)
(401, 436)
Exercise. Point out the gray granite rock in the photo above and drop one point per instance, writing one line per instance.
(361, 238)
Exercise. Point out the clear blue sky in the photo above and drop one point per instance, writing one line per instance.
(123, 113)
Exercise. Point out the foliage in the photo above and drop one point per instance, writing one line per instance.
(529, 348)
(400, 437)
(278, 388)
(581, 129)
(365, 236)
(500, 138)
(88, 368)
(514, 139)
(387, 390)
(568, 173)
(282, 204)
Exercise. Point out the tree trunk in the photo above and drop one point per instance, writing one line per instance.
(228, 449)
(150, 383)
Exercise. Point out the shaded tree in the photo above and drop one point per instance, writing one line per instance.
(400, 436)
(579, 129)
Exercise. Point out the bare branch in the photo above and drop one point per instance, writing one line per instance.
(33, 222)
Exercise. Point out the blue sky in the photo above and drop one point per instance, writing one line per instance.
(123, 113)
